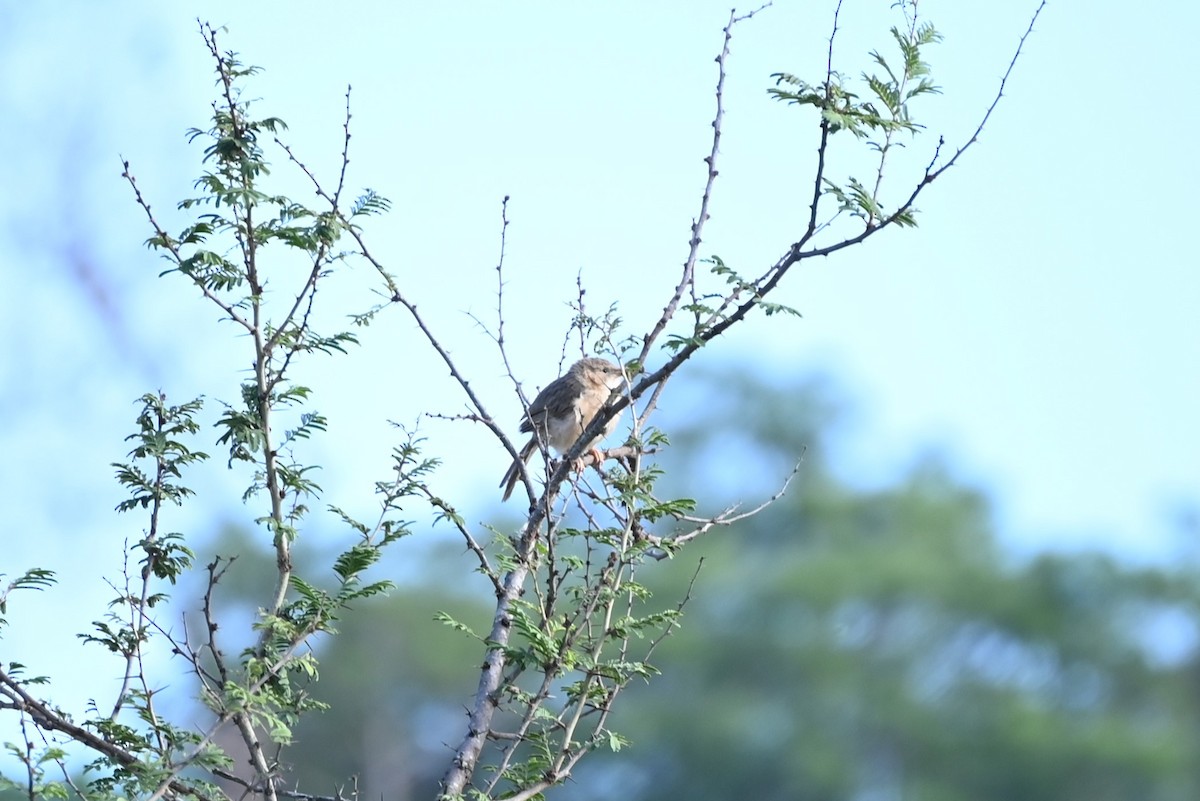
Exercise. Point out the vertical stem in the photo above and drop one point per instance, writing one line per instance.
(264, 385)
(479, 720)
(281, 540)
(236, 174)
(138, 612)
(491, 677)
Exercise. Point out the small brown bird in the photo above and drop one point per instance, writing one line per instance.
(563, 410)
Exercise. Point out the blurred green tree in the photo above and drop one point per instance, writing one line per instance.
(844, 644)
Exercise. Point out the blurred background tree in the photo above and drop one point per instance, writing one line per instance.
(844, 644)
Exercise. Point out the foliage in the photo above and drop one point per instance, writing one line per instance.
(845, 641)
(574, 624)
(226, 253)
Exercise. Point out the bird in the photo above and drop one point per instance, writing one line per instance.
(564, 409)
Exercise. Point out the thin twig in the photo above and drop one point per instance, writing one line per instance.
(930, 176)
(173, 248)
(47, 718)
(687, 276)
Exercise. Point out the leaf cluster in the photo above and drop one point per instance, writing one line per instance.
(876, 118)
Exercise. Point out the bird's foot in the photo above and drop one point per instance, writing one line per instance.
(597, 459)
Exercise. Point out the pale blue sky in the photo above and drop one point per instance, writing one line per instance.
(1038, 328)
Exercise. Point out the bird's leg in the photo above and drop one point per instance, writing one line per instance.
(597, 455)
(581, 462)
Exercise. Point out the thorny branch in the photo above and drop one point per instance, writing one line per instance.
(687, 277)
(796, 253)
(173, 246)
(492, 674)
(52, 720)
(480, 715)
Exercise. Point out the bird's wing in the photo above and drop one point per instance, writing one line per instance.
(556, 401)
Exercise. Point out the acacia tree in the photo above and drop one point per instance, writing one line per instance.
(570, 628)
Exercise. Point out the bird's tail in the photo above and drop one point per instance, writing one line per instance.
(509, 482)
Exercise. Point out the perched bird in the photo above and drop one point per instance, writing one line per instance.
(563, 410)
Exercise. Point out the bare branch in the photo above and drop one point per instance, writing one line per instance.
(687, 276)
(822, 148)
(51, 720)
(173, 248)
(930, 176)
(727, 518)
(456, 520)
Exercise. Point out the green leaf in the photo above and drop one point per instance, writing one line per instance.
(445, 619)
